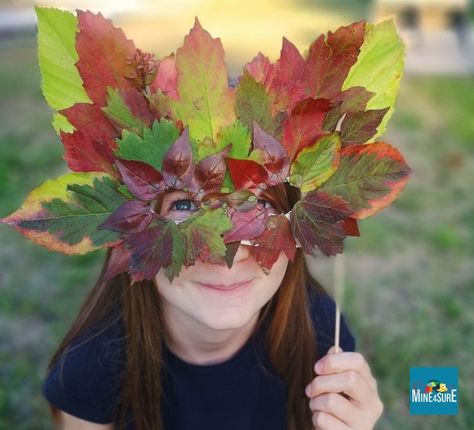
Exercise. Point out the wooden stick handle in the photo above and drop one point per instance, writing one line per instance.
(338, 295)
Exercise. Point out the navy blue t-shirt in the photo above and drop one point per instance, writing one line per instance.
(239, 393)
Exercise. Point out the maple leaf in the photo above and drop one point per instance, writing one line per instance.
(104, 54)
(152, 248)
(166, 77)
(203, 236)
(317, 221)
(304, 125)
(274, 239)
(253, 104)
(330, 58)
(152, 147)
(205, 103)
(369, 178)
(128, 110)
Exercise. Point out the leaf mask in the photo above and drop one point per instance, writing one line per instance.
(135, 127)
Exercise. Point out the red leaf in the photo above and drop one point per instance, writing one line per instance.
(177, 163)
(90, 120)
(330, 59)
(118, 262)
(141, 179)
(275, 157)
(317, 220)
(247, 174)
(261, 69)
(246, 225)
(104, 56)
(288, 86)
(166, 78)
(131, 217)
(150, 249)
(138, 105)
(209, 174)
(359, 127)
(351, 227)
(275, 238)
(84, 153)
(304, 125)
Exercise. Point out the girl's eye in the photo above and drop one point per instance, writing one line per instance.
(266, 204)
(183, 205)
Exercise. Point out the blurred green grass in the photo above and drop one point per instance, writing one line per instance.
(410, 279)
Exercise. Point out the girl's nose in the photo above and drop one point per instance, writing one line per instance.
(243, 252)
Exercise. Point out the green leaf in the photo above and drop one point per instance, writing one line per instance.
(316, 163)
(150, 149)
(205, 101)
(61, 84)
(239, 136)
(118, 111)
(202, 233)
(379, 68)
(252, 104)
(63, 213)
(369, 178)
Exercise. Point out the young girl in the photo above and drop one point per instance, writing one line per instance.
(207, 193)
(218, 348)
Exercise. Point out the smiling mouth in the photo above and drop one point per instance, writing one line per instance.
(230, 287)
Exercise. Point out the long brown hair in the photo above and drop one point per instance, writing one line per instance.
(290, 340)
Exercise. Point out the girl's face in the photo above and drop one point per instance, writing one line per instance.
(230, 306)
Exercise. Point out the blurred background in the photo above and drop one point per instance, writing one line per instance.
(410, 277)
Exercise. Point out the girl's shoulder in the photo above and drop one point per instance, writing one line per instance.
(85, 380)
(322, 309)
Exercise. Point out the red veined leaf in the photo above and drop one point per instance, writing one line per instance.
(247, 174)
(274, 156)
(141, 179)
(90, 120)
(85, 153)
(177, 162)
(359, 127)
(304, 125)
(288, 86)
(317, 220)
(275, 238)
(330, 58)
(369, 178)
(131, 217)
(209, 174)
(246, 225)
(104, 55)
(152, 248)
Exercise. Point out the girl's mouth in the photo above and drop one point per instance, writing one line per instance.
(226, 288)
